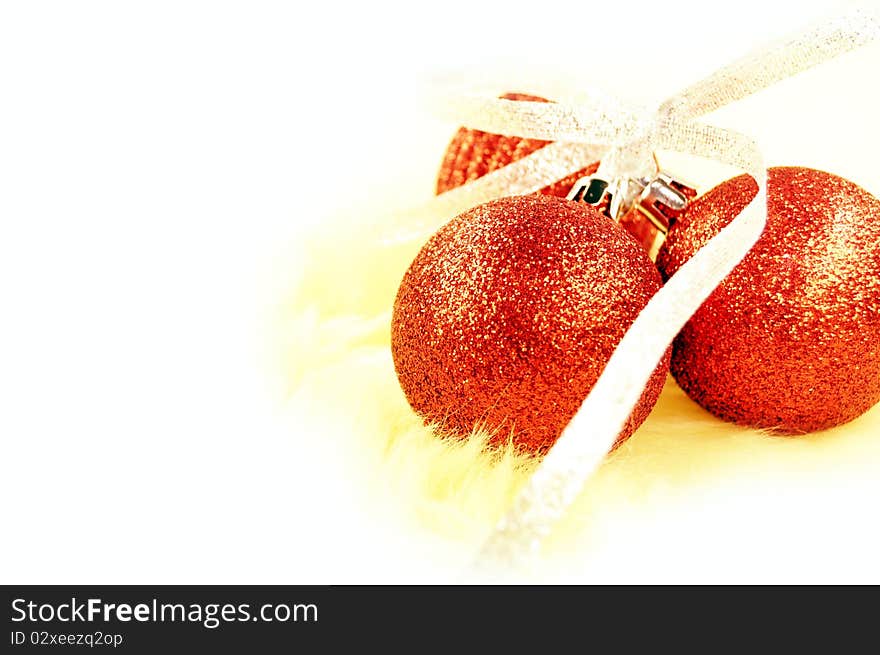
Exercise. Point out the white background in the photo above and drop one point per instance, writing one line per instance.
(157, 158)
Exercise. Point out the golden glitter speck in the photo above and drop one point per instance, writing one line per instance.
(508, 315)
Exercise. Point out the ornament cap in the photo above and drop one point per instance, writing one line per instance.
(663, 200)
(660, 199)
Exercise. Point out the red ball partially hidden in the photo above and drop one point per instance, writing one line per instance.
(473, 153)
(791, 338)
(508, 315)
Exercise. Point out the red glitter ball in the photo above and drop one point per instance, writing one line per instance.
(473, 153)
(508, 315)
(791, 338)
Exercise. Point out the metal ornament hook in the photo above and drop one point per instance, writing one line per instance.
(661, 199)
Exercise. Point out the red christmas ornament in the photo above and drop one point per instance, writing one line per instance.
(791, 338)
(473, 153)
(508, 315)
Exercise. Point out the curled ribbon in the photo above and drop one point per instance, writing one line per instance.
(624, 137)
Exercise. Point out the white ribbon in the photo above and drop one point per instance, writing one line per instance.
(624, 138)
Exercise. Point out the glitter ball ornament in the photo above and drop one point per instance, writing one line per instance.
(791, 338)
(473, 153)
(508, 315)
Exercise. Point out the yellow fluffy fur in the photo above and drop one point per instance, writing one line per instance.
(337, 356)
(688, 498)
